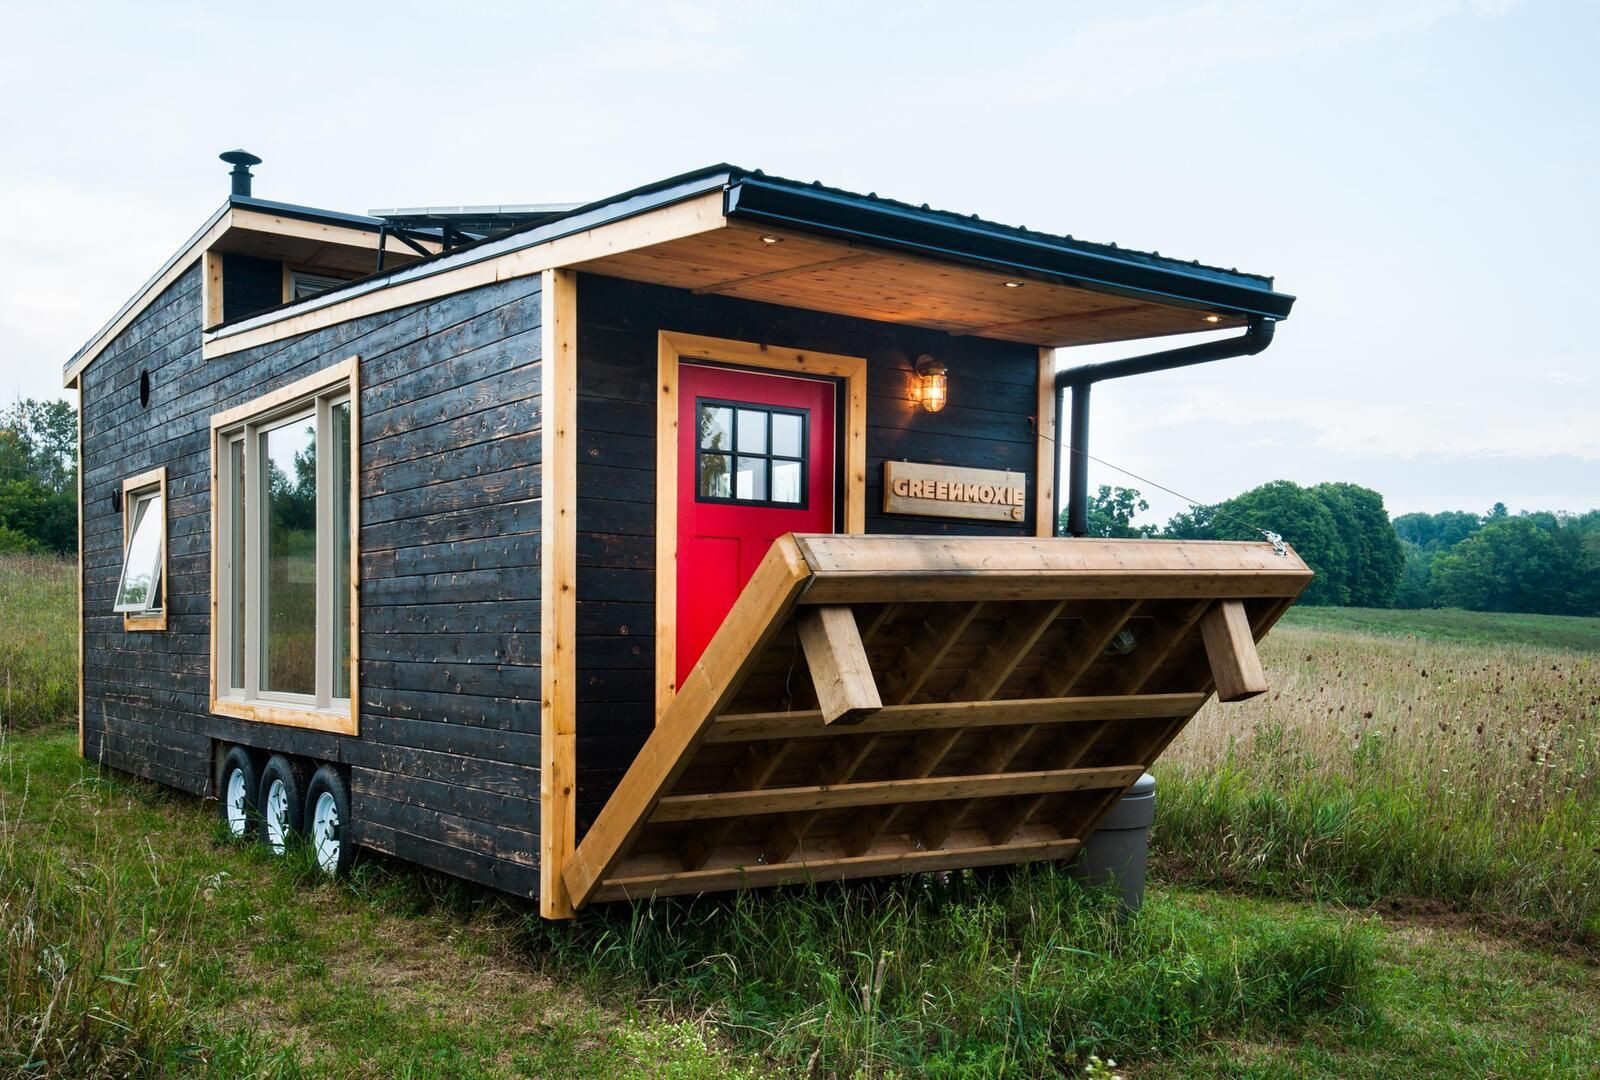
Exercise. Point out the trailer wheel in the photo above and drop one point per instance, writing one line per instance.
(237, 786)
(283, 801)
(328, 820)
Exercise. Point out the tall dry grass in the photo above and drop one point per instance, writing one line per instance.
(1380, 766)
(38, 640)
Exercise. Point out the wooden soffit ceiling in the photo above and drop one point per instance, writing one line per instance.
(803, 271)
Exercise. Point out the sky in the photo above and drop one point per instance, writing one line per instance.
(1422, 174)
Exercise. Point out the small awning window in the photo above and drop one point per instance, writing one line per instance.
(139, 589)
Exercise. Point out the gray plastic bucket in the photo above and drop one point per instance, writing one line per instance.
(1114, 854)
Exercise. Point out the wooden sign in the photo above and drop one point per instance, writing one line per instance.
(951, 491)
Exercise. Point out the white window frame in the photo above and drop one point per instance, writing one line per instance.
(314, 397)
(136, 490)
(322, 282)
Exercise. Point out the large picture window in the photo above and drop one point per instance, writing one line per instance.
(284, 544)
(142, 585)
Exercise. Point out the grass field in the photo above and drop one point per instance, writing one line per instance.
(1489, 628)
(1381, 868)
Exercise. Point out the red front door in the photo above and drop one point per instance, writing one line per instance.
(755, 460)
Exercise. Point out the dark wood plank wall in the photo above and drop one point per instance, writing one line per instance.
(988, 424)
(445, 772)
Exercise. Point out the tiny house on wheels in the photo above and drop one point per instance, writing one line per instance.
(697, 538)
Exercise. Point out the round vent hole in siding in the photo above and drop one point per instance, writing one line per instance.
(144, 389)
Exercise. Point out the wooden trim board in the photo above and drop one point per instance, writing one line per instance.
(153, 478)
(687, 218)
(82, 740)
(1047, 447)
(558, 587)
(671, 349)
(225, 219)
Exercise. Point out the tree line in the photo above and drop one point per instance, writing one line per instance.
(39, 477)
(1539, 562)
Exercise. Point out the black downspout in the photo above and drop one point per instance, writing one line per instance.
(1255, 339)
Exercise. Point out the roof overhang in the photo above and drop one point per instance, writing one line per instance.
(301, 236)
(735, 233)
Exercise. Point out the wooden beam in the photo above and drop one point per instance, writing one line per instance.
(999, 750)
(1157, 648)
(471, 270)
(1235, 665)
(558, 583)
(1084, 645)
(927, 716)
(1026, 624)
(1046, 448)
(894, 861)
(1070, 748)
(840, 672)
(927, 648)
(883, 569)
(719, 804)
(760, 762)
(773, 275)
(211, 289)
(846, 758)
(757, 617)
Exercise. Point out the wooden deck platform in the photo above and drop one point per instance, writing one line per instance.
(878, 704)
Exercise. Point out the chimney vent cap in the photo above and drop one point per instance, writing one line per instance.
(240, 158)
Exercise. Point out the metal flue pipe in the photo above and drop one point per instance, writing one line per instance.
(1256, 338)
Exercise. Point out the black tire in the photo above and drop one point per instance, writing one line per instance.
(282, 818)
(237, 802)
(330, 843)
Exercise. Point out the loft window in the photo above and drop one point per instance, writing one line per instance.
(750, 455)
(284, 543)
(302, 284)
(141, 587)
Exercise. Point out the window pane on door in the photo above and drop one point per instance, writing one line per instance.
(339, 418)
(716, 427)
(752, 431)
(751, 481)
(289, 562)
(786, 434)
(716, 476)
(786, 482)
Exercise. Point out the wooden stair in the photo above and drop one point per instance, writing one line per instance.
(889, 704)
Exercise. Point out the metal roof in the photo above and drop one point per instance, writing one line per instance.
(751, 195)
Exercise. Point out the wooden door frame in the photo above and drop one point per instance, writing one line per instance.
(672, 348)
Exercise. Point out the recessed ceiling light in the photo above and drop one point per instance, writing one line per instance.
(1213, 318)
(1013, 284)
(772, 239)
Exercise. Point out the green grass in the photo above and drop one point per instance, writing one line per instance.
(38, 640)
(1382, 766)
(975, 974)
(140, 942)
(1349, 873)
(153, 947)
(1491, 628)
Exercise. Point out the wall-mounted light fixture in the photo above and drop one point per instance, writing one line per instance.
(933, 380)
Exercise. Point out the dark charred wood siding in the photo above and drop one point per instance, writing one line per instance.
(988, 424)
(445, 770)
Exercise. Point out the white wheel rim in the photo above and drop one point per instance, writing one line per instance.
(234, 802)
(277, 814)
(325, 831)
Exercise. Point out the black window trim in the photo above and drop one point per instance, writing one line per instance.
(769, 457)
